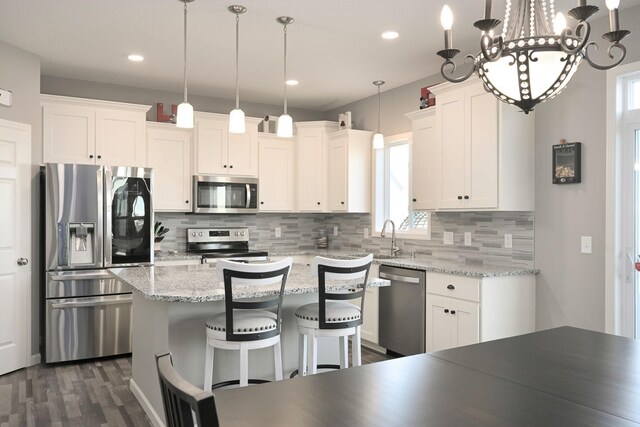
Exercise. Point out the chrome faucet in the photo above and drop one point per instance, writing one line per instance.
(394, 249)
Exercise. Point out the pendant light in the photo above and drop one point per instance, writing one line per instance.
(285, 123)
(378, 138)
(236, 117)
(184, 116)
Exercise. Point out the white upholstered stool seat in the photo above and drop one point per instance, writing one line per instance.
(338, 319)
(253, 323)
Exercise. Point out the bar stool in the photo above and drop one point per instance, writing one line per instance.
(332, 316)
(247, 324)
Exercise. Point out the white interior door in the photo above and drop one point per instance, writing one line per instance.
(15, 244)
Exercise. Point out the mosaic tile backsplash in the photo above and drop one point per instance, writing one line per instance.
(300, 231)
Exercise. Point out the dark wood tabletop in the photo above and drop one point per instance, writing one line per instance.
(565, 376)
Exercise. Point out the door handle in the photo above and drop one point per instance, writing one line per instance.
(23, 261)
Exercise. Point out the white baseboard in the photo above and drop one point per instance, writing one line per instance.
(34, 359)
(146, 405)
(374, 347)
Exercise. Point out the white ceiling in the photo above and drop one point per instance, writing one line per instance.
(335, 48)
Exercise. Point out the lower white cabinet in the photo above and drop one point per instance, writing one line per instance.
(169, 151)
(464, 310)
(276, 173)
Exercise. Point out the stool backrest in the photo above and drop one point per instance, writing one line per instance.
(238, 274)
(183, 402)
(340, 269)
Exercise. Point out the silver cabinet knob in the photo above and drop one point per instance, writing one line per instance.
(23, 261)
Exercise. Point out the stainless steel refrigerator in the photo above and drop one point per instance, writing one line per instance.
(96, 218)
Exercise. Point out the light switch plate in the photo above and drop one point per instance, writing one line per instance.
(278, 232)
(467, 238)
(508, 241)
(335, 230)
(448, 238)
(366, 233)
(6, 97)
(585, 244)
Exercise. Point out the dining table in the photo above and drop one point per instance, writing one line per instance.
(564, 376)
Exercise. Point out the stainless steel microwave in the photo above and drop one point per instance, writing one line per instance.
(214, 194)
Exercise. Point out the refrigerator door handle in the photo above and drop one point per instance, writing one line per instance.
(108, 230)
(81, 276)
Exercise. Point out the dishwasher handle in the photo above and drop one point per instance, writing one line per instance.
(92, 302)
(398, 278)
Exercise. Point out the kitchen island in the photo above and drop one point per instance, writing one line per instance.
(170, 307)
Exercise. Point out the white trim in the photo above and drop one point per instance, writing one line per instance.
(34, 360)
(615, 99)
(146, 405)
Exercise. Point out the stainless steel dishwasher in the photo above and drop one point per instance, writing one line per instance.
(402, 310)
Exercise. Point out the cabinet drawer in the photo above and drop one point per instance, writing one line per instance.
(454, 286)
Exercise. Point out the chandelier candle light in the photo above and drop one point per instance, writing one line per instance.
(184, 116)
(378, 138)
(236, 116)
(285, 122)
(536, 54)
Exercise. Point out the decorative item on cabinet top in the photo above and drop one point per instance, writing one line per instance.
(161, 117)
(427, 99)
(344, 120)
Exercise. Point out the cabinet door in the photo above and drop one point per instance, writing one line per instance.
(482, 149)
(210, 153)
(425, 158)
(466, 322)
(310, 167)
(450, 116)
(369, 329)
(120, 138)
(439, 323)
(242, 154)
(69, 134)
(276, 175)
(170, 158)
(337, 174)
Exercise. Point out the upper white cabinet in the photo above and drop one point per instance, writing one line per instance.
(277, 170)
(218, 152)
(483, 151)
(311, 165)
(86, 131)
(169, 151)
(349, 171)
(425, 160)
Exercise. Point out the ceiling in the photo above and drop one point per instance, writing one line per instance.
(335, 48)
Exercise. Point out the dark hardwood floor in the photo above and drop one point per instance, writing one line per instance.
(93, 393)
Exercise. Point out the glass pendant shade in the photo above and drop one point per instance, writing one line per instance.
(184, 116)
(236, 121)
(378, 141)
(285, 126)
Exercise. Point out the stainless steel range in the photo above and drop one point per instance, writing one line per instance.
(227, 243)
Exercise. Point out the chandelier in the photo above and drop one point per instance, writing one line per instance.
(536, 54)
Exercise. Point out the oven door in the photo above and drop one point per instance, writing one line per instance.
(221, 194)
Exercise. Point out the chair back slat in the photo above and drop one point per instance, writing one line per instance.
(241, 274)
(183, 402)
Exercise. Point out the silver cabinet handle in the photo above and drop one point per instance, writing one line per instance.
(399, 278)
(23, 261)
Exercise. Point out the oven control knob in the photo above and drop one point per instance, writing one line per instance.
(242, 233)
(237, 233)
(200, 234)
(193, 233)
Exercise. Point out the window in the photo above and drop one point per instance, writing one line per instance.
(633, 94)
(393, 188)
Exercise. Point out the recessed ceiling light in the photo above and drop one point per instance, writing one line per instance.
(135, 57)
(390, 35)
(292, 82)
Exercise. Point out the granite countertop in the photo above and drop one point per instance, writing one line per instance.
(199, 283)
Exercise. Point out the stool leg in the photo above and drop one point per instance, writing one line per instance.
(302, 355)
(277, 355)
(208, 367)
(244, 364)
(312, 364)
(356, 349)
(344, 352)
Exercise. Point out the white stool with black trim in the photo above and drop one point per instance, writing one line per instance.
(332, 316)
(247, 324)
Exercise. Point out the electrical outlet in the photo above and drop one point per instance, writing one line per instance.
(335, 230)
(278, 232)
(6, 98)
(448, 238)
(508, 241)
(585, 244)
(467, 238)
(366, 233)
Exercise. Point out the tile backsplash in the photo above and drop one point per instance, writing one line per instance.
(300, 231)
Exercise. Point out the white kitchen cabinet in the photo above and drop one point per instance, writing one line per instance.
(349, 171)
(465, 310)
(218, 152)
(311, 165)
(425, 159)
(169, 151)
(86, 131)
(484, 151)
(370, 322)
(276, 173)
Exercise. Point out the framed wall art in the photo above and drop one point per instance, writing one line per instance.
(566, 163)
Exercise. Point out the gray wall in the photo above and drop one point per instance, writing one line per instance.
(110, 92)
(20, 73)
